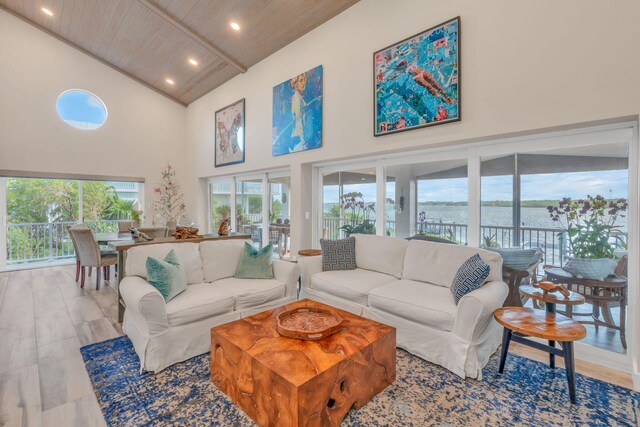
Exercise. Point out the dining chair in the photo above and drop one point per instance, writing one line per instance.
(75, 247)
(155, 232)
(90, 254)
(124, 226)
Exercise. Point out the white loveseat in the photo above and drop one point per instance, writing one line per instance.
(166, 333)
(406, 284)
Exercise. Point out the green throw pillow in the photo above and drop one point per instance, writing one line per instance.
(254, 264)
(167, 275)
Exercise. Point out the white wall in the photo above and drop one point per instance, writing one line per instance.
(143, 131)
(524, 66)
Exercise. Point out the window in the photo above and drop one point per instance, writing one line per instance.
(257, 205)
(81, 109)
(39, 210)
(349, 203)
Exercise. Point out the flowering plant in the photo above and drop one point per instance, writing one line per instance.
(589, 224)
(361, 214)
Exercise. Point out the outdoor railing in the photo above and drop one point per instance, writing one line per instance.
(553, 241)
(46, 241)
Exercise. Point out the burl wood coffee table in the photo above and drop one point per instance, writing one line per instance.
(282, 381)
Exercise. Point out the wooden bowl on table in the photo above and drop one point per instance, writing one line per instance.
(308, 323)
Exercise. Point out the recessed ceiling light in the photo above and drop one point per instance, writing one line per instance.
(47, 11)
(193, 61)
(235, 26)
(170, 81)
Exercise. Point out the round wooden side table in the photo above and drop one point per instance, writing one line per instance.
(520, 323)
(309, 252)
(550, 299)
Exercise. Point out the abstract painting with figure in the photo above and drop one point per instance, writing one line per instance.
(297, 113)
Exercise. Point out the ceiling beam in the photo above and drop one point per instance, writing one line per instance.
(89, 54)
(193, 35)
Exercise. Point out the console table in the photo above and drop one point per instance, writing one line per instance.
(122, 246)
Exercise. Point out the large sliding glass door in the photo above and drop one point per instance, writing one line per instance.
(499, 195)
(256, 205)
(36, 212)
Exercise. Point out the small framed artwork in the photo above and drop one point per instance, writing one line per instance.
(297, 113)
(417, 80)
(229, 138)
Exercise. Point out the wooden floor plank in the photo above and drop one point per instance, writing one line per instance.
(20, 403)
(83, 309)
(53, 326)
(95, 331)
(83, 412)
(63, 376)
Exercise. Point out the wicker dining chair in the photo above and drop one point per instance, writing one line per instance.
(155, 232)
(90, 254)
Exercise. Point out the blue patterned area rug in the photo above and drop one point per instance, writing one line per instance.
(529, 393)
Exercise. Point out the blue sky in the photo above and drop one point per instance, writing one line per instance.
(534, 187)
(81, 106)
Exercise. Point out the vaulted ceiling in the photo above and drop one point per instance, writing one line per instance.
(152, 41)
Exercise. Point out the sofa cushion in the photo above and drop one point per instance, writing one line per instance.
(199, 301)
(423, 303)
(381, 254)
(438, 263)
(338, 254)
(167, 275)
(188, 255)
(255, 264)
(220, 258)
(352, 285)
(470, 276)
(252, 292)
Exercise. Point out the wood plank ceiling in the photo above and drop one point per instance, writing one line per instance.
(153, 40)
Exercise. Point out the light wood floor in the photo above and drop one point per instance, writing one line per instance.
(44, 320)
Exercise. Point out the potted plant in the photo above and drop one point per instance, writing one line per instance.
(590, 225)
(136, 216)
(358, 214)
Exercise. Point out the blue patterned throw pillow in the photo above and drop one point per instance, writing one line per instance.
(470, 276)
(338, 254)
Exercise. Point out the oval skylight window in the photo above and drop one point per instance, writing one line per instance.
(81, 109)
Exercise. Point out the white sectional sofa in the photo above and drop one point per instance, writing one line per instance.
(406, 284)
(166, 333)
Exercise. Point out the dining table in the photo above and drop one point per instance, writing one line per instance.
(122, 242)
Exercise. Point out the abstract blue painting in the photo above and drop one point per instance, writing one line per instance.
(417, 80)
(297, 113)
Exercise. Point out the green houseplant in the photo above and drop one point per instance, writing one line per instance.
(590, 225)
(359, 215)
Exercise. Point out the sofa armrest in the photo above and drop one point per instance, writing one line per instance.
(309, 265)
(147, 302)
(475, 310)
(287, 272)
